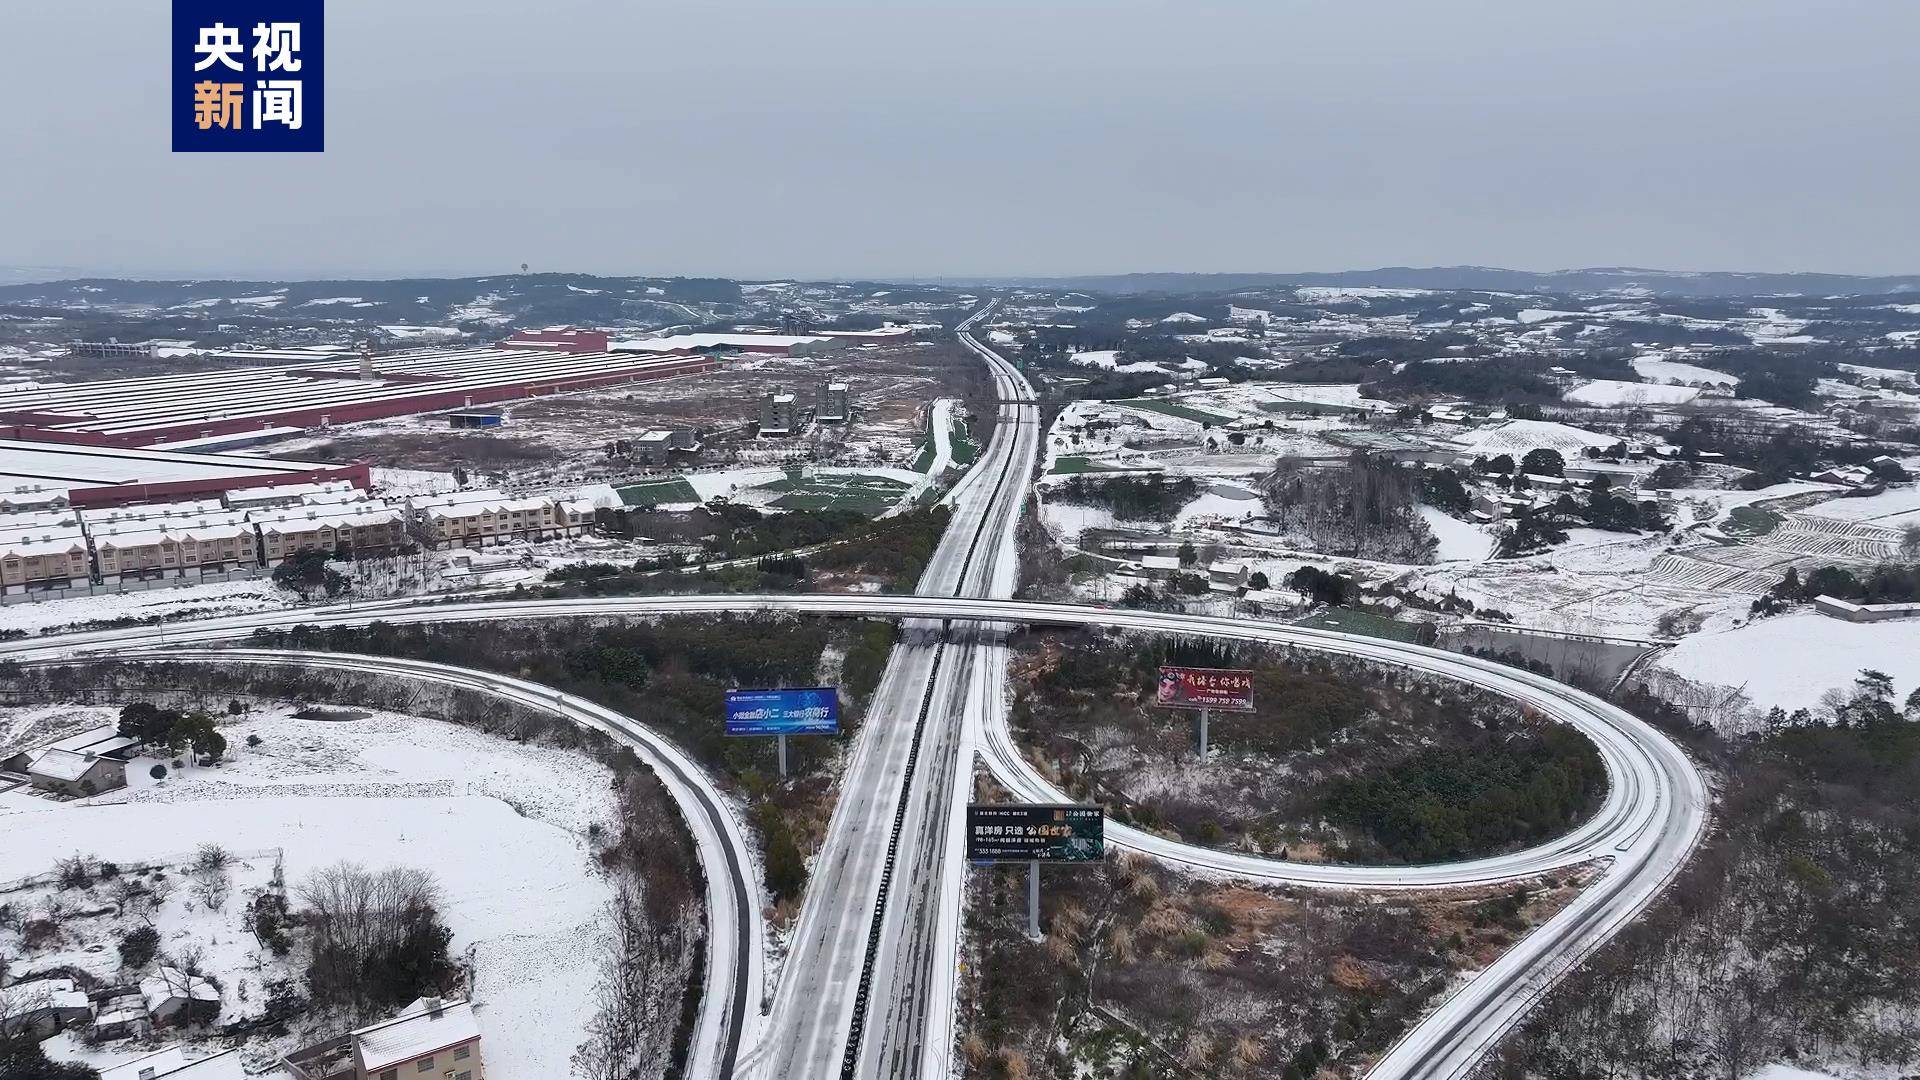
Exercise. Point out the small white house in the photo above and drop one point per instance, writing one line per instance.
(41, 1007)
(1228, 575)
(76, 772)
(175, 997)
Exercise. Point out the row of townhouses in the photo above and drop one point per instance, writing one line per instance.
(255, 527)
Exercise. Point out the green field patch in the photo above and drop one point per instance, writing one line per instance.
(1349, 621)
(656, 492)
(964, 452)
(1749, 521)
(858, 492)
(1169, 408)
(1069, 464)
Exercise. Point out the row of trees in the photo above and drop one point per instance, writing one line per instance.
(175, 730)
(1889, 583)
(1363, 508)
(1131, 498)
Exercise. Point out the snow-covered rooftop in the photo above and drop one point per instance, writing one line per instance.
(66, 765)
(424, 1027)
(170, 1063)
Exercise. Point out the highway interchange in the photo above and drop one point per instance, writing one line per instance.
(868, 988)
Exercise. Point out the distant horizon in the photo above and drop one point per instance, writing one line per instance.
(43, 274)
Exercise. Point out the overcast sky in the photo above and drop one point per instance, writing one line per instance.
(772, 138)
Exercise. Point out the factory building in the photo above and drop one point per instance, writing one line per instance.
(327, 387)
(771, 344)
(101, 476)
(558, 339)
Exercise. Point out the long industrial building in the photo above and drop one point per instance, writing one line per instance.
(205, 409)
(53, 474)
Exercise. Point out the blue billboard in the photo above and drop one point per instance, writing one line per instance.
(809, 711)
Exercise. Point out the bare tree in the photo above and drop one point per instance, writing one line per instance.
(642, 973)
(212, 880)
(375, 935)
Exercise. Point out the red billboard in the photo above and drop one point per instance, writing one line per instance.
(1205, 688)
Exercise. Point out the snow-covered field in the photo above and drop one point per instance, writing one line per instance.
(1227, 502)
(1516, 437)
(1895, 507)
(1109, 360)
(501, 825)
(1354, 292)
(1604, 392)
(1067, 522)
(1655, 369)
(1459, 540)
(1790, 660)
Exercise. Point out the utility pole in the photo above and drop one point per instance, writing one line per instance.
(1203, 735)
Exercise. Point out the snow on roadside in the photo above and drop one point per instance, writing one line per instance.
(940, 422)
(215, 598)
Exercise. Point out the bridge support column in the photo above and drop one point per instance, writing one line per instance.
(1033, 902)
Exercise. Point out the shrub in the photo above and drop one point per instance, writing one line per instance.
(37, 932)
(158, 772)
(786, 866)
(138, 946)
(269, 922)
(74, 871)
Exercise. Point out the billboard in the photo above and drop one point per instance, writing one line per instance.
(813, 710)
(1035, 832)
(1205, 688)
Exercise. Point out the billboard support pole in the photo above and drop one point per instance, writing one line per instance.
(1203, 735)
(1033, 902)
(783, 755)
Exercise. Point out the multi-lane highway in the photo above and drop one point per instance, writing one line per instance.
(867, 987)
